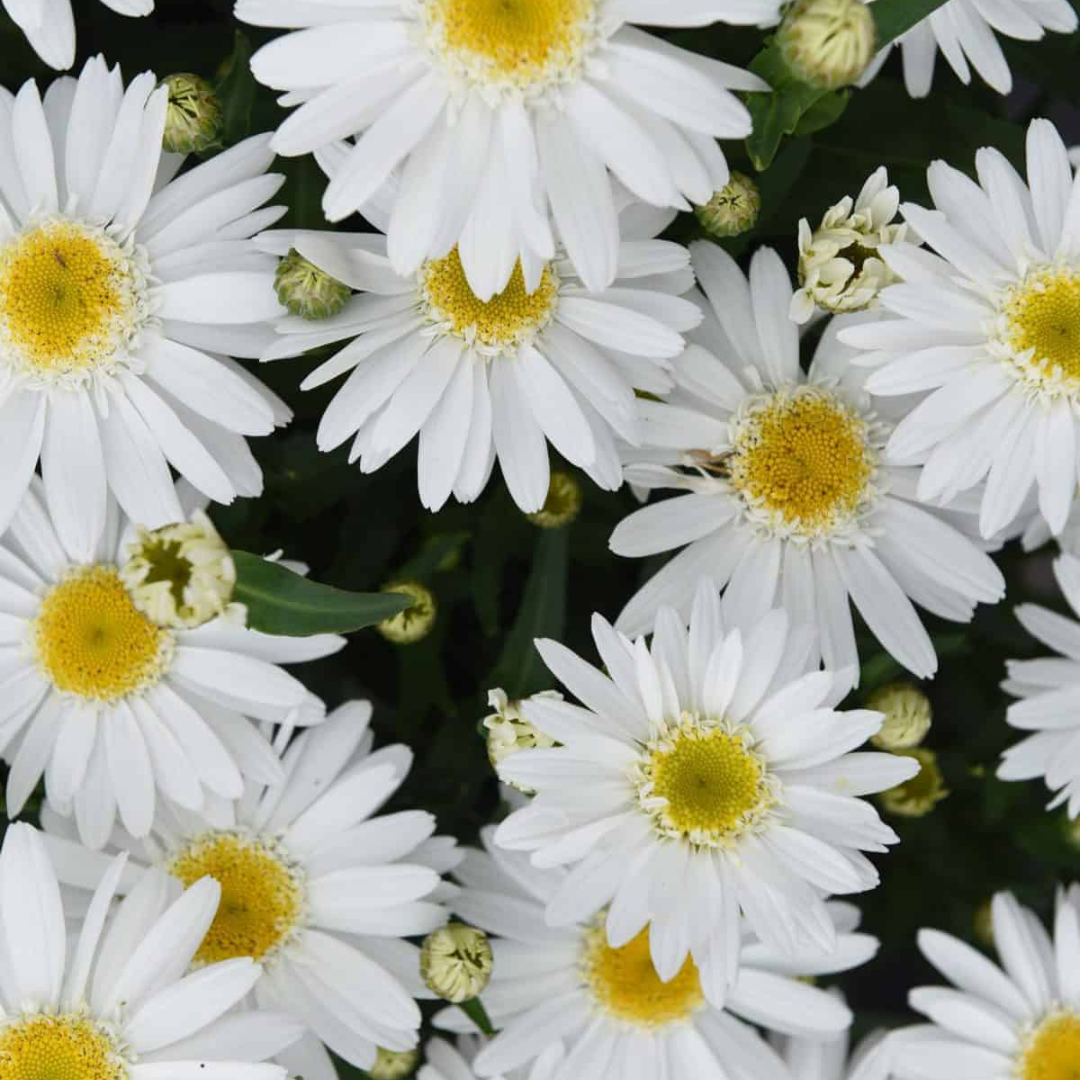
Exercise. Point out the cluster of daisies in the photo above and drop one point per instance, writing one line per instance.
(214, 893)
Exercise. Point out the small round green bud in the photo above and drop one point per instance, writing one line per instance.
(918, 796)
(827, 43)
(733, 209)
(907, 716)
(394, 1064)
(983, 924)
(193, 118)
(415, 622)
(456, 962)
(308, 291)
(562, 505)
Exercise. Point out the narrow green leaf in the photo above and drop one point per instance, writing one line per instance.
(282, 602)
(437, 554)
(475, 1011)
(896, 17)
(236, 91)
(519, 670)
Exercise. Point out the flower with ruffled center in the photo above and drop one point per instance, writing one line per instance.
(310, 880)
(840, 268)
(789, 494)
(603, 999)
(127, 708)
(122, 299)
(699, 751)
(490, 376)
(988, 331)
(499, 125)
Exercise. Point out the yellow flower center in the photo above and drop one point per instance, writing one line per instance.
(625, 985)
(802, 461)
(1053, 1052)
(509, 319)
(71, 299)
(262, 893)
(502, 44)
(91, 640)
(714, 786)
(1043, 324)
(66, 1047)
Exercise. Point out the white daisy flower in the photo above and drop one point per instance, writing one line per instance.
(1049, 689)
(114, 708)
(965, 33)
(616, 1015)
(793, 496)
(120, 289)
(314, 886)
(497, 378)
(49, 25)
(118, 1001)
(472, 119)
(989, 325)
(1019, 1020)
(706, 776)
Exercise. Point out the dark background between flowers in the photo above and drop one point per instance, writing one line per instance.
(500, 581)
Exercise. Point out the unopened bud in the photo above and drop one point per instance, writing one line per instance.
(562, 505)
(827, 43)
(415, 622)
(456, 962)
(394, 1064)
(308, 291)
(907, 716)
(918, 796)
(733, 209)
(193, 118)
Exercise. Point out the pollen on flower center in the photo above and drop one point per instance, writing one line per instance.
(625, 985)
(509, 319)
(1042, 327)
(1053, 1051)
(65, 1047)
(702, 782)
(262, 893)
(802, 461)
(90, 640)
(510, 44)
(72, 300)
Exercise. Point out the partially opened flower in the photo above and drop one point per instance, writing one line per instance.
(49, 25)
(793, 496)
(965, 32)
(987, 329)
(118, 1001)
(607, 1005)
(476, 122)
(314, 886)
(116, 709)
(544, 360)
(1049, 691)
(1021, 1019)
(121, 292)
(705, 775)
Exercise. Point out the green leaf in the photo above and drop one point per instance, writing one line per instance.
(823, 113)
(779, 113)
(439, 553)
(475, 1011)
(280, 601)
(236, 90)
(896, 17)
(519, 670)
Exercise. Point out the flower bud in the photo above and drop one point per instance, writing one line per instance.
(918, 796)
(394, 1064)
(907, 716)
(193, 118)
(562, 505)
(181, 576)
(983, 924)
(456, 962)
(733, 209)
(508, 731)
(415, 622)
(306, 290)
(840, 268)
(827, 43)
